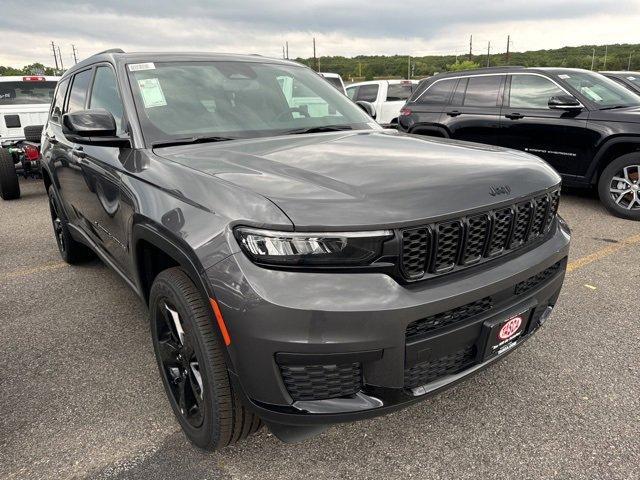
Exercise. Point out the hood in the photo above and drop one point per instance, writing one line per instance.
(627, 114)
(368, 179)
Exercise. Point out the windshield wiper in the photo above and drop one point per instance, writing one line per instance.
(319, 129)
(616, 106)
(190, 140)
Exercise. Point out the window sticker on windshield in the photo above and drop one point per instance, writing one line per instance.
(631, 78)
(564, 76)
(152, 95)
(591, 94)
(137, 67)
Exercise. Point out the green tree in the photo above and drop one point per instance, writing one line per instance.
(462, 65)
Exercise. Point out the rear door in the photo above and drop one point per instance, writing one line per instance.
(427, 109)
(560, 137)
(474, 112)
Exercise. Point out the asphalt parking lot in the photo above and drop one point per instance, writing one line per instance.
(80, 396)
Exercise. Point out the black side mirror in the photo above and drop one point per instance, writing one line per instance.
(92, 127)
(368, 108)
(564, 102)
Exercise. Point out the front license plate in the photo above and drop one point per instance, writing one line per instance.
(503, 334)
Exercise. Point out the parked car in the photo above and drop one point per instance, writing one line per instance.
(629, 80)
(334, 79)
(386, 97)
(24, 105)
(299, 270)
(584, 124)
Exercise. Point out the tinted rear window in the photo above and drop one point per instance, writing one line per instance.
(335, 82)
(367, 93)
(26, 93)
(483, 91)
(399, 91)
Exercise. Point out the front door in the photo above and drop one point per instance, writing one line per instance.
(560, 137)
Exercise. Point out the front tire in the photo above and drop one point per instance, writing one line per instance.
(9, 185)
(619, 186)
(192, 364)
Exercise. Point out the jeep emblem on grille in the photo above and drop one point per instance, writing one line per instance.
(499, 190)
(510, 328)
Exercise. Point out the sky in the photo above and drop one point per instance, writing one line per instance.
(346, 27)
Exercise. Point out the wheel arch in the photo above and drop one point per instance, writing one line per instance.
(608, 152)
(430, 130)
(155, 249)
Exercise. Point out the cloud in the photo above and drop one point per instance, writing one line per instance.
(342, 28)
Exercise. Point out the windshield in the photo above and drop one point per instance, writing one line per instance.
(176, 100)
(26, 93)
(601, 90)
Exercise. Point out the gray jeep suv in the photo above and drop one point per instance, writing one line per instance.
(301, 265)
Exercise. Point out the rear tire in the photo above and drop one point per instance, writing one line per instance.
(619, 186)
(33, 133)
(9, 185)
(192, 364)
(71, 251)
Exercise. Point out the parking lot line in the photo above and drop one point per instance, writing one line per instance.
(23, 272)
(603, 252)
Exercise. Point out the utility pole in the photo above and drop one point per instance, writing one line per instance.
(55, 58)
(360, 69)
(75, 50)
(488, 52)
(409, 69)
(60, 55)
(605, 56)
(629, 64)
(593, 58)
(287, 44)
(470, 47)
(315, 59)
(283, 55)
(508, 43)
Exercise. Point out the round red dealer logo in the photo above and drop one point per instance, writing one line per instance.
(509, 328)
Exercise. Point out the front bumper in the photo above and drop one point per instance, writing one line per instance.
(282, 322)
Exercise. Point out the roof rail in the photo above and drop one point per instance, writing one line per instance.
(111, 50)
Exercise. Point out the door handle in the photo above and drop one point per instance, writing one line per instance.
(78, 152)
(514, 116)
(454, 113)
(51, 139)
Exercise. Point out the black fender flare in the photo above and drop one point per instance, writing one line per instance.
(442, 132)
(597, 158)
(164, 240)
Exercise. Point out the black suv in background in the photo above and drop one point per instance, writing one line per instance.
(582, 123)
(302, 266)
(629, 80)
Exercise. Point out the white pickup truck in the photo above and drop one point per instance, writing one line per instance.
(24, 107)
(386, 96)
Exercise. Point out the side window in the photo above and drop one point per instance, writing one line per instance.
(399, 91)
(532, 91)
(104, 94)
(351, 92)
(482, 91)
(78, 93)
(458, 95)
(367, 93)
(58, 101)
(438, 93)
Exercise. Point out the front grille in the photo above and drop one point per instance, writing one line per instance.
(319, 382)
(442, 247)
(427, 372)
(450, 317)
(538, 279)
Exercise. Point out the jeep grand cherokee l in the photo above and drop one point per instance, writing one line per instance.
(300, 270)
(585, 125)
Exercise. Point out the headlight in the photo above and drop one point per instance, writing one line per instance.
(312, 249)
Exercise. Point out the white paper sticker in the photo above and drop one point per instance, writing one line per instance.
(136, 67)
(631, 78)
(152, 94)
(564, 76)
